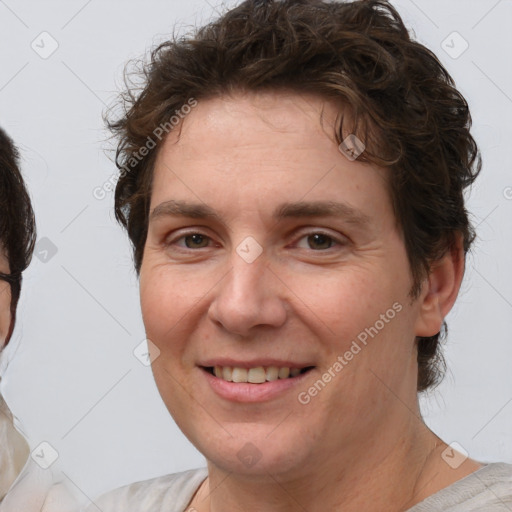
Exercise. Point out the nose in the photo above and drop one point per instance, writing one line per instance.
(249, 296)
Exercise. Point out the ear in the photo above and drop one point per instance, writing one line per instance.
(440, 290)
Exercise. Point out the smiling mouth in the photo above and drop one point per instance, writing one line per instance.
(257, 375)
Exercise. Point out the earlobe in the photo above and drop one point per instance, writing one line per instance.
(440, 290)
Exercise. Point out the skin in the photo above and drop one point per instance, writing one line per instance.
(360, 444)
(5, 301)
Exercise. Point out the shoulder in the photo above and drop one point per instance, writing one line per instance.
(14, 450)
(41, 489)
(169, 493)
(488, 489)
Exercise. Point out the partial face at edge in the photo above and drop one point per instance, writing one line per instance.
(5, 301)
(253, 174)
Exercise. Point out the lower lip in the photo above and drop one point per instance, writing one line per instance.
(247, 392)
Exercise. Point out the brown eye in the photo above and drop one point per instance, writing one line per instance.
(320, 241)
(196, 241)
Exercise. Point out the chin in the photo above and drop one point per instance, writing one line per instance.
(254, 453)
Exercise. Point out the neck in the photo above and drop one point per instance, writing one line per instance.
(391, 470)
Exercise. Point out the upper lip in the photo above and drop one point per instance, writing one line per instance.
(254, 363)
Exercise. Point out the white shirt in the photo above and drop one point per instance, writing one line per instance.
(24, 485)
(489, 489)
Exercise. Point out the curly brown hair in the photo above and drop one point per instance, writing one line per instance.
(396, 95)
(17, 223)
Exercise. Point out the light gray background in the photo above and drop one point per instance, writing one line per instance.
(72, 378)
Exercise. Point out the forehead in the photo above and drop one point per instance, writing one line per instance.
(282, 112)
(256, 150)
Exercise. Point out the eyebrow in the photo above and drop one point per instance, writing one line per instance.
(301, 209)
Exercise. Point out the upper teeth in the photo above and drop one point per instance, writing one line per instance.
(256, 375)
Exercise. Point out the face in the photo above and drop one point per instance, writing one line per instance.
(5, 301)
(273, 258)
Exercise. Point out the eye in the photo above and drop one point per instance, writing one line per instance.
(317, 241)
(192, 241)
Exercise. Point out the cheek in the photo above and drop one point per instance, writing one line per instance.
(160, 304)
(347, 301)
(169, 303)
(363, 316)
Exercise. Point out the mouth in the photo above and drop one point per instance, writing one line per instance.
(257, 374)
